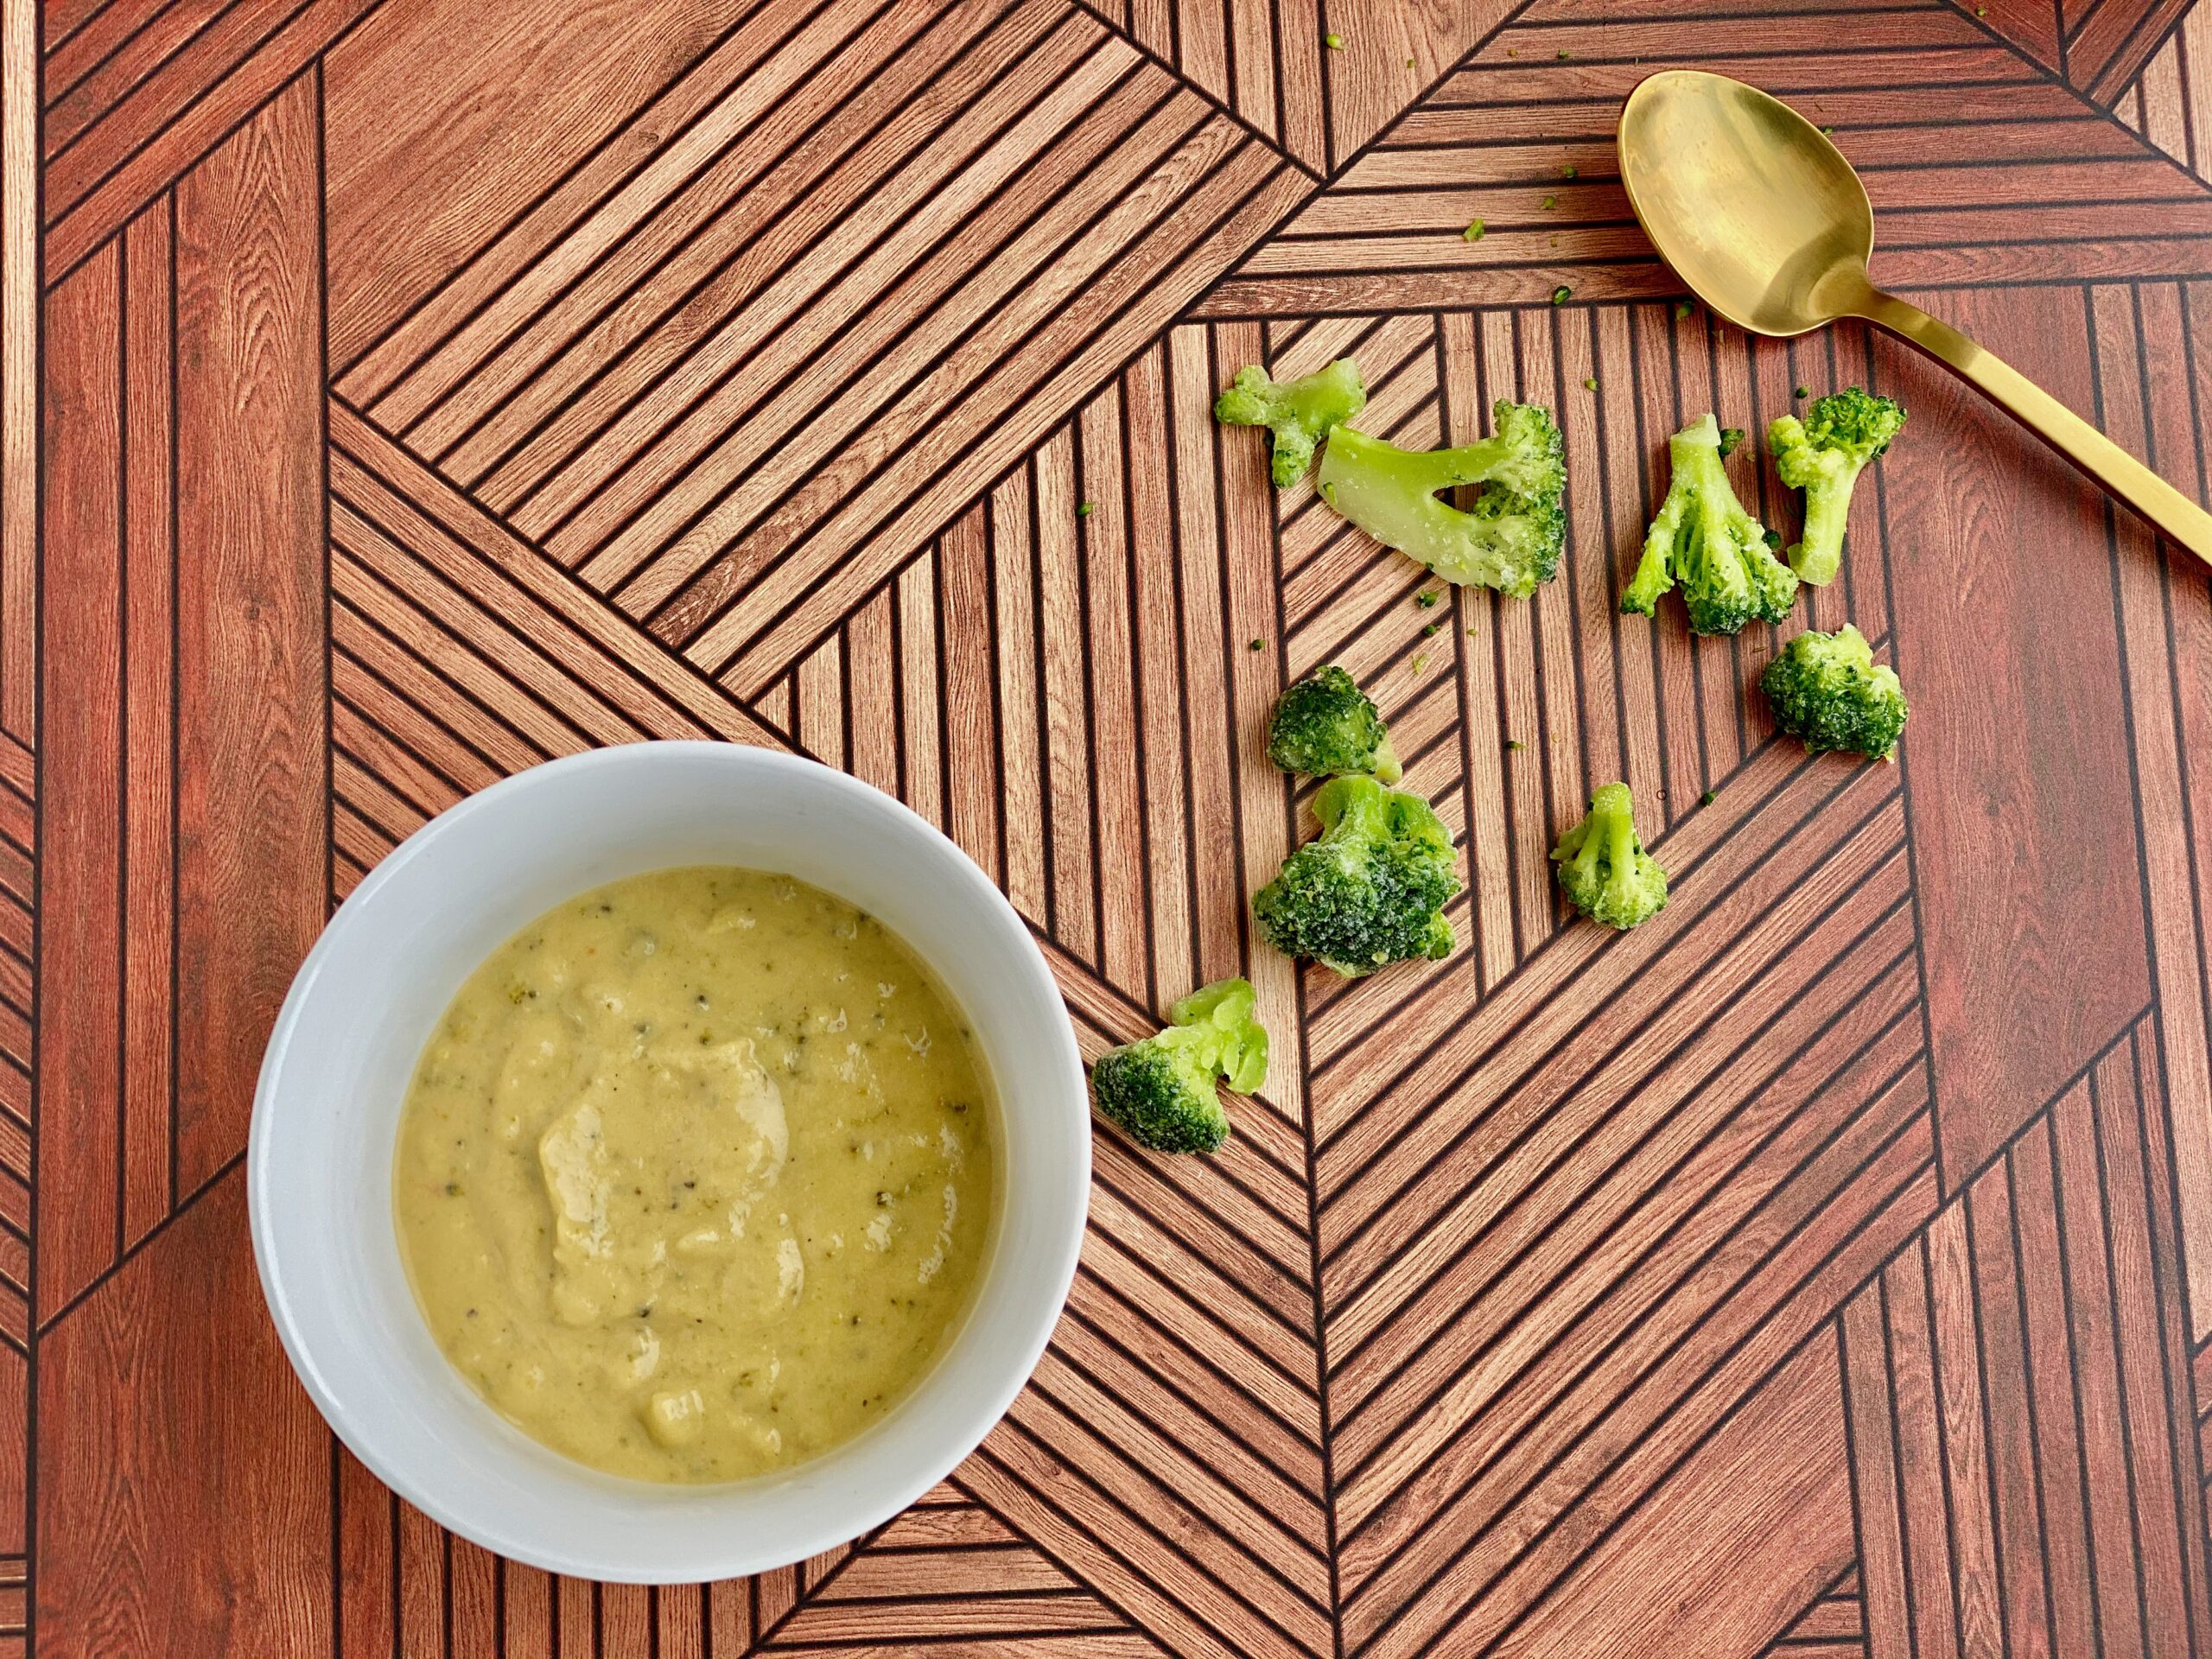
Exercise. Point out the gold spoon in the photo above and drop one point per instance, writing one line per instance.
(1768, 225)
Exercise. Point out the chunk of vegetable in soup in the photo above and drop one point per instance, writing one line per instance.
(695, 1176)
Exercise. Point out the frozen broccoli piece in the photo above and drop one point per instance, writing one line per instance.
(1828, 690)
(1704, 539)
(1371, 889)
(1162, 1090)
(1603, 868)
(1823, 455)
(1326, 726)
(1297, 414)
(1510, 539)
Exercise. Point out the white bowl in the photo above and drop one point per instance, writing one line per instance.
(326, 1119)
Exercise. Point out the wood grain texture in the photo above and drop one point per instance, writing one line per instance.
(419, 101)
(152, 1486)
(2020, 1399)
(1317, 80)
(394, 397)
(163, 100)
(19, 368)
(250, 669)
(2048, 184)
(2001, 776)
(2102, 49)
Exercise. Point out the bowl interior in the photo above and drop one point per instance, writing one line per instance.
(326, 1114)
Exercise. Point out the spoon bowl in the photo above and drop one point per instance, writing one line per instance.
(1767, 223)
(1749, 202)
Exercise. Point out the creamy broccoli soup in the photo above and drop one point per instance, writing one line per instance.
(694, 1175)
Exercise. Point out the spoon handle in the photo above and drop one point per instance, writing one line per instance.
(2172, 513)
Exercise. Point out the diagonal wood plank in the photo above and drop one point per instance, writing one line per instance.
(163, 100)
(2100, 47)
(1831, 1627)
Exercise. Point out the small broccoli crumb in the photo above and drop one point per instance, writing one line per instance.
(1334, 41)
(1325, 726)
(1682, 308)
(1828, 690)
(1428, 597)
(1549, 202)
(1590, 383)
(1161, 1089)
(1432, 630)
(1299, 413)
(1473, 233)
(1729, 437)
(1560, 294)
(1084, 511)
(1603, 868)
(1799, 391)
(1568, 172)
(1257, 644)
(1513, 744)
(1707, 800)
(1371, 889)
(1828, 131)
(1419, 663)
(1563, 55)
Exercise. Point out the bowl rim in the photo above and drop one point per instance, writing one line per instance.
(860, 1516)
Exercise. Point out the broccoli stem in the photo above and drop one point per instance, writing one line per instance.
(1235, 1043)
(1828, 509)
(1391, 493)
(1409, 473)
(1620, 836)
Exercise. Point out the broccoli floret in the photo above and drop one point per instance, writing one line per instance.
(1828, 690)
(1510, 538)
(1823, 455)
(1603, 868)
(1371, 889)
(1161, 1089)
(1326, 726)
(1297, 414)
(1705, 540)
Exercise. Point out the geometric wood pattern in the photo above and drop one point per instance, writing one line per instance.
(396, 393)
(2030, 1346)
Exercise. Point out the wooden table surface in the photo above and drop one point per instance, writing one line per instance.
(396, 395)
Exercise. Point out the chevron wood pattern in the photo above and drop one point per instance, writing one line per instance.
(395, 394)
(2166, 104)
(2097, 47)
(1834, 1627)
